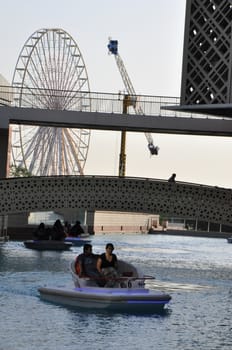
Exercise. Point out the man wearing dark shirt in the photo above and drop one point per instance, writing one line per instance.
(87, 264)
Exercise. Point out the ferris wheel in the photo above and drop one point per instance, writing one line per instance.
(50, 73)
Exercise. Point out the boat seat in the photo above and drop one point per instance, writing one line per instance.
(126, 269)
(77, 267)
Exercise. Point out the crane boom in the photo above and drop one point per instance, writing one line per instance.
(113, 49)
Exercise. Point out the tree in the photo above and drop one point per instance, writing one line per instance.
(18, 171)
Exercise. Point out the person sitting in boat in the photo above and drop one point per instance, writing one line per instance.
(58, 233)
(107, 265)
(86, 265)
(76, 230)
(67, 228)
(41, 233)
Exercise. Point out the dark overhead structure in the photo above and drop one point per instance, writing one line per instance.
(207, 58)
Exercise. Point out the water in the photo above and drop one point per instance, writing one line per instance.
(195, 271)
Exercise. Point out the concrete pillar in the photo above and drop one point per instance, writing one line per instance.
(90, 221)
(4, 140)
(3, 225)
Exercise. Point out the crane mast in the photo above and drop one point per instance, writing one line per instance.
(131, 97)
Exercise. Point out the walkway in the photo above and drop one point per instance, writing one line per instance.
(105, 110)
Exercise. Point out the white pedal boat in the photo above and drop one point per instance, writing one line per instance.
(128, 295)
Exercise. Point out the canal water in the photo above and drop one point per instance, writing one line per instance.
(197, 272)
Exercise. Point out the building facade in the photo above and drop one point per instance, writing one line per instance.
(207, 54)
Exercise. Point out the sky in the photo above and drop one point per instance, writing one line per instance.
(150, 35)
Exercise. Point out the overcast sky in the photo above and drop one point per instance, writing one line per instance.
(150, 35)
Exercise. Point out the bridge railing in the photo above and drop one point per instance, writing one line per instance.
(90, 101)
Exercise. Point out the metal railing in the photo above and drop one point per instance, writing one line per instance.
(90, 101)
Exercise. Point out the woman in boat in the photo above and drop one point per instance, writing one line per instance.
(107, 265)
(58, 233)
(41, 232)
(67, 228)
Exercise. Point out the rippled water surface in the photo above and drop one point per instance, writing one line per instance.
(197, 272)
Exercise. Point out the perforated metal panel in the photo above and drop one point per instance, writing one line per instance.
(116, 194)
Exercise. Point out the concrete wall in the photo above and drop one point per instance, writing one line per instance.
(123, 222)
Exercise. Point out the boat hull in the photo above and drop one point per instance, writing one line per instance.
(110, 299)
(155, 232)
(48, 245)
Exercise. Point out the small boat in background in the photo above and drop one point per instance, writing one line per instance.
(47, 245)
(127, 295)
(155, 231)
(229, 239)
(77, 241)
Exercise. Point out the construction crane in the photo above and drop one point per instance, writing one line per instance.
(129, 100)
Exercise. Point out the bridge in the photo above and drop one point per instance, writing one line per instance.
(161, 115)
(183, 200)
